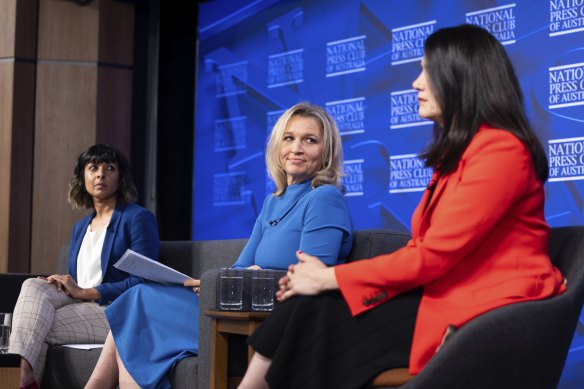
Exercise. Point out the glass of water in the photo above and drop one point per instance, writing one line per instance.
(262, 290)
(5, 326)
(231, 290)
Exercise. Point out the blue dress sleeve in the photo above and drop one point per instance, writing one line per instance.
(327, 230)
(143, 238)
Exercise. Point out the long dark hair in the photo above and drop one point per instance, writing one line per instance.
(100, 153)
(475, 83)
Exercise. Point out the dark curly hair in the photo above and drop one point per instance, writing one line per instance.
(100, 153)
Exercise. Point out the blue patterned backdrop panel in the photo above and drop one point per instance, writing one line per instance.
(358, 59)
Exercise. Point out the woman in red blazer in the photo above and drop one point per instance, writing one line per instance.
(479, 237)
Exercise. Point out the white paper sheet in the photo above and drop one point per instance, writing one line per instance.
(83, 346)
(142, 266)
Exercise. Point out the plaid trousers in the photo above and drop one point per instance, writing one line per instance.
(45, 316)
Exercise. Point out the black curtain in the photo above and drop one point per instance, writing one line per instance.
(176, 101)
(165, 31)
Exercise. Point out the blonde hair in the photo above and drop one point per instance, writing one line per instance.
(332, 152)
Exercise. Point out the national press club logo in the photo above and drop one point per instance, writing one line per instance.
(230, 134)
(354, 177)
(560, 84)
(499, 21)
(286, 68)
(408, 174)
(404, 110)
(563, 87)
(407, 42)
(228, 188)
(345, 56)
(566, 17)
(407, 171)
(566, 159)
(231, 79)
(271, 120)
(349, 115)
(566, 85)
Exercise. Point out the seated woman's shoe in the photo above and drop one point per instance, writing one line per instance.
(32, 385)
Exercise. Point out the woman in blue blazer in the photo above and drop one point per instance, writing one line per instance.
(70, 308)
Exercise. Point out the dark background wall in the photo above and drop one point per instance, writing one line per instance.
(73, 74)
(176, 101)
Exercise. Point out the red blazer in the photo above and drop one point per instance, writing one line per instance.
(481, 243)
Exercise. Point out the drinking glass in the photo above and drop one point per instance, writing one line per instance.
(5, 327)
(231, 290)
(262, 290)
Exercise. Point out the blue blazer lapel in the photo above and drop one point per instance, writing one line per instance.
(110, 235)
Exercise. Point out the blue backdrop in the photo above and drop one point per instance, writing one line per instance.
(358, 58)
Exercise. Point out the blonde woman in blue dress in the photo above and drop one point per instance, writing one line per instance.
(153, 326)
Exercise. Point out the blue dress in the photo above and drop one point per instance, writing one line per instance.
(154, 326)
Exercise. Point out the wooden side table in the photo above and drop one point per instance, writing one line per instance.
(9, 370)
(224, 323)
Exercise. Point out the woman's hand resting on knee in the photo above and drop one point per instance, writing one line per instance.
(308, 277)
(67, 284)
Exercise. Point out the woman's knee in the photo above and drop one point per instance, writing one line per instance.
(34, 281)
(35, 284)
(139, 289)
(39, 289)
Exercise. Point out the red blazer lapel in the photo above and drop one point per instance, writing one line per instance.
(427, 211)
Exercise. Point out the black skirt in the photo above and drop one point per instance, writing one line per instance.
(314, 342)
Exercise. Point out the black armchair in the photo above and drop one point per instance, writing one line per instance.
(523, 345)
(10, 289)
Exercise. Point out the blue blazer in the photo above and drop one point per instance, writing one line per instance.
(130, 227)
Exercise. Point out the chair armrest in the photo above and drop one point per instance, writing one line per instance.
(10, 284)
(503, 348)
(208, 299)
